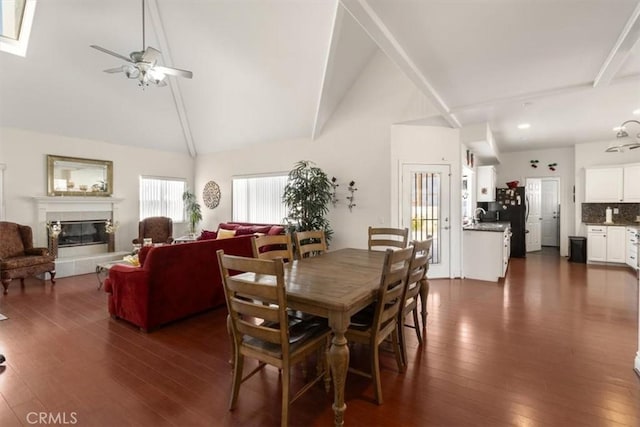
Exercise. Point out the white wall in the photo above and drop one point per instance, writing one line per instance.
(516, 166)
(24, 153)
(435, 146)
(593, 154)
(354, 145)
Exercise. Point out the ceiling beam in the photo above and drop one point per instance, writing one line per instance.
(319, 121)
(382, 36)
(530, 96)
(621, 50)
(173, 84)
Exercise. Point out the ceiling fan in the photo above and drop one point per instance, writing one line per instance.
(142, 65)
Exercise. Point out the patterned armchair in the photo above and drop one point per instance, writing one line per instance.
(158, 228)
(18, 257)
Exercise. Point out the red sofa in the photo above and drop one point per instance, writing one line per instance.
(243, 228)
(173, 282)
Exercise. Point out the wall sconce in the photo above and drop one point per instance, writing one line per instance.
(352, 189)
(622, 133)
(334, 184)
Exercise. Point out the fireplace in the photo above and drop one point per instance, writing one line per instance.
(82, 233)
(84, 242)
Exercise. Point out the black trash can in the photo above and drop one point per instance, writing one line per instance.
(577, 249)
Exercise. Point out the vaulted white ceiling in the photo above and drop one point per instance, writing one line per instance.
(273, 70)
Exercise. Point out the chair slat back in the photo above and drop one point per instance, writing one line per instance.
(392, 285)
(309, 243)
(417, 268)
(257, 306)
(272, 247)
(380, 237)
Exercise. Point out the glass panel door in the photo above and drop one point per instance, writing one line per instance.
(426, 211)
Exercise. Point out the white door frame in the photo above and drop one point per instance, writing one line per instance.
(442, 269)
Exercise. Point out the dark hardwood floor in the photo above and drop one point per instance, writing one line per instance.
(552, 345)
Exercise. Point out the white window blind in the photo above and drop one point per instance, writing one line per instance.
(259, 199)
(162, 197)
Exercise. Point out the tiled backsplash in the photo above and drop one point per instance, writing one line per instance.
(595, 212)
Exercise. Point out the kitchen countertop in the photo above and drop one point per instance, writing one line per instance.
(500, 226)
(619, 224)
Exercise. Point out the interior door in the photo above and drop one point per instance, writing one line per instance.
(534, 217)
(550, 212)
(425, 211)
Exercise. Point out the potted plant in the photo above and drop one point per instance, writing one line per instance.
(194, 213)
(307, 196)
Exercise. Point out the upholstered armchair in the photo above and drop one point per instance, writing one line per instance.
(158, 228)
(18, 258)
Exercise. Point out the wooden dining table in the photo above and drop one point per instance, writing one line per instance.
(335, 285)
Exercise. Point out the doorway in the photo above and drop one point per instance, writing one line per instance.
(425, 211)
(543, 219)
(550, 212)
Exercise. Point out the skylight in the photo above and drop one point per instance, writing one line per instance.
(16, 17)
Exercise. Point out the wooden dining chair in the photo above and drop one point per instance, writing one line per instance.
(415, 279)
(388, 237)
(261, 328)
(372, 327)
(310, 243)
(272, 247)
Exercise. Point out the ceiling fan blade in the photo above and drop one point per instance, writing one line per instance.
(115, 70)
(174, 71)
(150, 54)
(107, 51)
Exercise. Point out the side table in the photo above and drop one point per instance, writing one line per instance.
(104, 267)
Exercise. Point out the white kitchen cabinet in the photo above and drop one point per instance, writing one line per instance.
(486, 177)
(604, 184)
(632, 247)
(486, 254)
(616, 244)
(631, 183)
(606, 244)
(597, 244)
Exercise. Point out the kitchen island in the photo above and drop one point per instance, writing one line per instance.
(486, 250)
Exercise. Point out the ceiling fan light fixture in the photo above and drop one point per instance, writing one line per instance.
(622, 133)
(142, 64)
(614, 149)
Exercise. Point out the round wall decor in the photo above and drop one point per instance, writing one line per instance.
(211, 194)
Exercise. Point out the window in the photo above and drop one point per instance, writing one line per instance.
(162, 197)
(16, 17)
(259, 199)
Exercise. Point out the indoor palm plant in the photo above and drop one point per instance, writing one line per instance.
(194, 213)
(307, 196)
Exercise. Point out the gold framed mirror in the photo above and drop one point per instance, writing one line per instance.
(73, 176)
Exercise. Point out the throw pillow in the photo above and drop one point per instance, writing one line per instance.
(261, 228)
(225, 234)
(243, 230)
(275, 230)
(226, 226)
(207, 235)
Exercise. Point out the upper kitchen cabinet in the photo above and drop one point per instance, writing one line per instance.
(486, 177)
(631, 183)
(612, 184)
(603, 184)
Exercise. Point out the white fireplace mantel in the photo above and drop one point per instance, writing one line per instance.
(47, 205)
